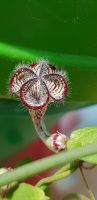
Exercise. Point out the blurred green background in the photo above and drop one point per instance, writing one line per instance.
(63, 31)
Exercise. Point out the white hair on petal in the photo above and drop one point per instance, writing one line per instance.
(42, 61)
(21, 65)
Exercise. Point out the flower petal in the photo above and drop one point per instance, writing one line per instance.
(34, 94)
(21, 76)
(42, 68)
(35, 67)
(56, 85)
(47, 69)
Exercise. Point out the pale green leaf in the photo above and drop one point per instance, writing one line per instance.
(27, 192)
(82, 137)
(5, 198)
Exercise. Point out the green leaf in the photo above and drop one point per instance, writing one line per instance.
(62, 26)
(82, 137)
(27, 192)
(75, 197)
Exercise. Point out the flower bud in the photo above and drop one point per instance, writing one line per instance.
(57, 142)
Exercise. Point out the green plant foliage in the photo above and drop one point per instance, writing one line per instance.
(82, 137)
(27, 192)
(62, 26)
(75, 197)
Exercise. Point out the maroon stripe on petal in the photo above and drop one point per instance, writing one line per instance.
(21, 76)
(32, 65)
(55, 142)
(57, 86)
(52, 67)
(34, 94)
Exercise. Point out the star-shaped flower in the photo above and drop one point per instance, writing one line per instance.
(38, 84)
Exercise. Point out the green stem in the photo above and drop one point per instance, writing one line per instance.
(67, 167)
(61, 173)
(86, 184)
(38, 166)
(55, 177)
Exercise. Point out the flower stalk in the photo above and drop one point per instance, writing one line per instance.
(91, 195)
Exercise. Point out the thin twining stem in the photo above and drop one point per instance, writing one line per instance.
(91, 195)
